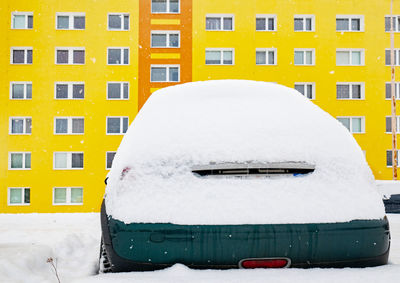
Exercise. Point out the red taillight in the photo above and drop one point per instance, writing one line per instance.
(265, 263)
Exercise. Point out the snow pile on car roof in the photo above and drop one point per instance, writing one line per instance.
(233, 121)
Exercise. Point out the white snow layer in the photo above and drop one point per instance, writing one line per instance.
(238, 121)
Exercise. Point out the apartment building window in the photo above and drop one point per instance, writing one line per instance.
(266, 56)
(353, 124)
(349, 57)
(69, 125)
(69, 90)
(165, 6)
(67, 196)
(21, 55)
(19, 160)
(118, 21)
(68, 160)
(219, 22)
(304, 23)
(19, 196)
(70, 55)
(70, 21)
(350, 90)
(396, 23)
(396, 57)
(165, 39)
(109, 159)
(304, 57)
(118, 56)
(20, 125)
(22, 20)
(306, 89)
(389, 158)
(164, 73)
(389, 124)
(219, 56)
(349, 23)
(117, 125)
(265, 22)
(388, 90)
(21, 90)
(117, 90)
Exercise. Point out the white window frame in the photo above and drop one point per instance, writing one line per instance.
(22, 197)
(351, 17)
(70, 55)
(266, 50)
(122, 21)
(70, 90)
(121, 125)
(24, 125)
(69, 126)
(69, 160)
(304, 50)
(25, 49)
(122, 55)
(167, 33)
(351, 123)
(396, 56)
(350, 84)
(70, 16)
(68, 196)
(221, 50)
(108, 168)
(305, 84)
(397, 125)
(396, 93)
(396, 26)
(26, 14)
(267, 17)
(398, 158)
(121, 90)
(24, 153)
(25, 83)
(221, 16)
(351, 50)
(167, 67)
(304, 17)
(168, 6)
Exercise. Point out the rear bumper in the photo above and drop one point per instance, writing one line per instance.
(144, 247)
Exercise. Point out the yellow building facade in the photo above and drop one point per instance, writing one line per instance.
(75, 73)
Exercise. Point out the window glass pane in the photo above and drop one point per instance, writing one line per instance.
(76, 195)
(260, 24)
(158, 40)
(61, 126)
(62, 56)
(298, 24)
(299, 58)
(356, 91)
(261, 57)
(309, 57)
(16, 160)
(174, 6)
(113, 125)
(79, 22)
(228, 24)
(158, 6)
(388, 93)
(271, 57)
(309, 24)
(174, 40)
(126, 22)
(78, 91)
(125, 124)
(126, 56)
(389, 156)
(387, 23)
(29, 57)
(28, 91)
(17, 91)
(388, 124)
(114, 56)
(17, 126)
(356, 58)
(213, 23)
(271, 24)
(60, 160)
(126, 90)
(27, 160)
(18, 56)
(27, 195)
(309, 91)
(342, 24)
(28, 126)
(15, 196)
(30, 21)
(213, 57)
(342, 91)
(158, 74)
(114, 90)
(78, 125)
(60, 195)
(114, 21)
(61, 91)
(228, 58)
(387, 57)
(356, 125)
(342, 57)
(355, 24)
(63, 22)
(19, 21)
(299, 88)
(110, 158)
(345, 122)
(77, 160)
(79, 56)
(174, 74)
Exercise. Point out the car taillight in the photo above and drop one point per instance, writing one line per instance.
(265, 263)
(124, 172)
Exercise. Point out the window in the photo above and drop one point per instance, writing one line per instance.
(396, 57)
(389, 158)
(266, 56)
(20, 125)
(109, 159)
(19, 196)
(165, 6)
(118, 21)
(266, 23)
(165, 39)
(69, 90)
(219, 22)
(117, 90)
(69, 125)
(21, 55)
(67, 196)
(304, 23)
(349, 23)
(306, 89)
(353, 124)
(19, 160)
(389, 124)
(22, 20)
(304, 57)
(117, 125)
(219, 56)
(349, 57)
(118, 56)
(70, 55)
(396, 23)
(68, 160)
(350, 90)
(164, 73)
(388, 90)
(72, 21)
(21, 90)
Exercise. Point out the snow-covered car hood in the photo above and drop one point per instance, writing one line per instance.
(237, 121)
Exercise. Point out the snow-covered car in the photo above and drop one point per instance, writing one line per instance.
(239, 174)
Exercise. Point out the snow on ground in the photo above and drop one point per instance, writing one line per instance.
(28, 240)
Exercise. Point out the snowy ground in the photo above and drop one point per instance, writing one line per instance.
(27, 241)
